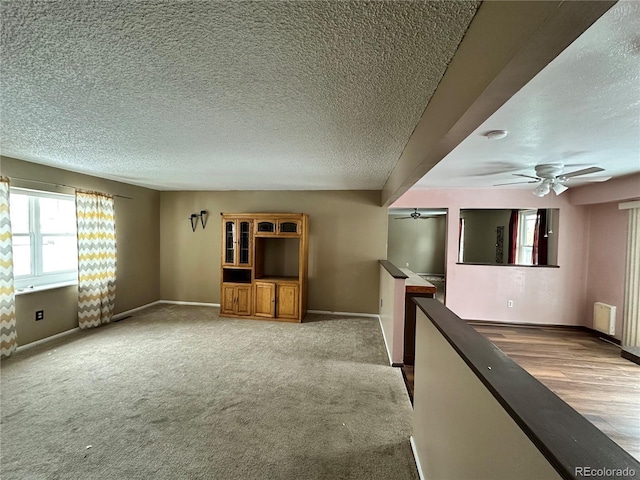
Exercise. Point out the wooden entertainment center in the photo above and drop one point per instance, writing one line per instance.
(264, 266)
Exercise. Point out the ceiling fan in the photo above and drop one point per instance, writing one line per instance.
(550, 177)
(415, 215)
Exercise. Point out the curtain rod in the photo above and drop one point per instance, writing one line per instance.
(62, 185)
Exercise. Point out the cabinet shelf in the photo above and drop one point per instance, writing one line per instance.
(276, 278)
(236, 275)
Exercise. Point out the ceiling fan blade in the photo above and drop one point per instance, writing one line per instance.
(584, 171)
(514, 183)
(588, 179)
(401, 218)
(526, 176)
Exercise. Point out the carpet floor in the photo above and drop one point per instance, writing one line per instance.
(177, 392)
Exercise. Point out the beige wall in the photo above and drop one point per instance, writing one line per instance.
(347, 238)
(138, 242)
(420, 243)
(60, 307)
(391, 313)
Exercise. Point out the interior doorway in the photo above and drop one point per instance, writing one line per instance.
(417, 240)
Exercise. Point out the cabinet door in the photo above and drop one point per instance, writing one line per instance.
(289, 227)
(287, 303)
(245, 250)
(265, 299)
(237, 239)
(229, 241)
(228, 299)
(243, 300)
(266, 227)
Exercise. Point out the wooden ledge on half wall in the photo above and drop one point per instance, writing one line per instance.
(631, 353)
(485, 264)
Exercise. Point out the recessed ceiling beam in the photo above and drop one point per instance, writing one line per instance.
(506, 45)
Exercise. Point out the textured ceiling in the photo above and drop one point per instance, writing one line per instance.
(582, 110)
(222, 95)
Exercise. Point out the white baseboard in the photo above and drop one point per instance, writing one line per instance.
(120, 315)
(415, 456)
(45, 340)
(116, 317)
(346, 314)
(386, 345)
(201, 304)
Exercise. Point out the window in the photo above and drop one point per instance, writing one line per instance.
(45, 247)
(526, 229)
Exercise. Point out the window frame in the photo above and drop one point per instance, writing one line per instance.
(524, 252)
(461, 240)
(38, 278)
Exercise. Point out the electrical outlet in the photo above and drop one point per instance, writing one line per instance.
(406, 264)
(510, 304)
(39, 315)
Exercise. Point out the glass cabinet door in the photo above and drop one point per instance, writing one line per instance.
(237, 242)
(244, 243)
(229, 241)
(266, 227)
(289, 227)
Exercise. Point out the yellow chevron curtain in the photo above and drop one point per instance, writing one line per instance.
(8, 335)
(96, 258)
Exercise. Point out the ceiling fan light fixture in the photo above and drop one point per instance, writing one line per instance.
(496, 134)
(558, 188)
(542, 189)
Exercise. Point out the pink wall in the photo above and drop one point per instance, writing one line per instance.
(619, 189)
(607, 246)
(540, 295)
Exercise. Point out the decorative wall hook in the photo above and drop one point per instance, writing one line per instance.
(194, 221)
(203, 215)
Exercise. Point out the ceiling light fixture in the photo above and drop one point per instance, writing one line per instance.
(542, 189)
(559, 188)
(496, 134)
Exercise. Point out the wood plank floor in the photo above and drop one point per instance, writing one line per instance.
(586, 372)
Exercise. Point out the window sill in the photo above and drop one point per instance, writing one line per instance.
(486, 264)
(41, 288)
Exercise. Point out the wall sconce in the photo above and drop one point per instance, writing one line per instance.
(194, 219)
